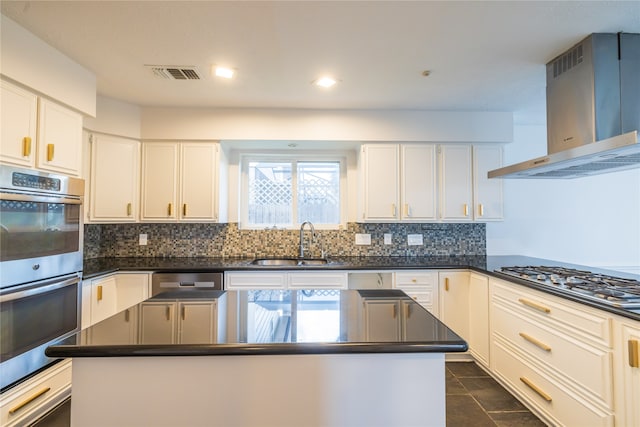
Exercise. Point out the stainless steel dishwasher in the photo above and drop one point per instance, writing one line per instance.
(188, 281)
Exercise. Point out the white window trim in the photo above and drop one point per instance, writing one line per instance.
(243, 210)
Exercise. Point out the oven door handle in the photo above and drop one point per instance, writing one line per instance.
(40, 288)
(44, 199)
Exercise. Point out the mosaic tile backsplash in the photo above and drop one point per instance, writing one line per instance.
(227, 240)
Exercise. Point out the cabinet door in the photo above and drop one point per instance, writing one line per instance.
(455, 182)
(118, 329)
(479, 317)
(197, 322)
(487, 192)
(629, 374)
(158, 322)
(418, 182)
(198, 184)
(103, 299)
(381, 182)
(132, 289)
(159, 181)
(19, 109)
(454, 301)
(59, 138)
(114, 179)
(382, 320)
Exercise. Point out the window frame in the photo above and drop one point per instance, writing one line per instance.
(294, 159)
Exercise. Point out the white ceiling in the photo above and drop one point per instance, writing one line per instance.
(483, 55)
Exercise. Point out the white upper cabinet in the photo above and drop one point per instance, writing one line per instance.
(381, 182)
(179, 181)
(487, 193)
(59, 139)
(418, 179)
(19, 114)
(160, 181)
(114, 179)
(456, 197)
(39, 133)
(399, 182)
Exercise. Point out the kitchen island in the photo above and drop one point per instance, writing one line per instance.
(261, 358)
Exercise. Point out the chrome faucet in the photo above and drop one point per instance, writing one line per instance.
(313, 237)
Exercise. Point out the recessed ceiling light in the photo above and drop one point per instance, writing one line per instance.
(226, 73)
(325, 82)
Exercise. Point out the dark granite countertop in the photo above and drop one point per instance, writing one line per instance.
(260, 322)
(483, 264)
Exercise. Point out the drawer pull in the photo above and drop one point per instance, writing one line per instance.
(534, 305)
(634, 357)
(535, 342)
(50, 152)
(29, 400)
(26, 146)
(535, 388)
(99, 292)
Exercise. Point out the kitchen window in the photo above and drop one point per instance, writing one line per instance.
(284, 192)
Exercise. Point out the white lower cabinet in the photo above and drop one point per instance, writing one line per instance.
(627, 372)
(30, 400)
(119, 329)
(454, 301)
(421, 285)
(479, 318)
(172, 322)
(554, 354)
(240, 280)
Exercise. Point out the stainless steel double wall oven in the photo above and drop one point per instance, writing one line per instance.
(41, 237)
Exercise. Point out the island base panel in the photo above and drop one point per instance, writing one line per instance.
(402, 389)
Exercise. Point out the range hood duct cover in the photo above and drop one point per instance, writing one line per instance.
(593, 111)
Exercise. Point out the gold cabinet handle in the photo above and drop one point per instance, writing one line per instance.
(99, 292)
(129, 209)
(184, 312)
(407, 210)
(50, 152)
(446, 284)
(26, 146)
(395, 311)
(535, 388)
(534, 305)
(408, 311)
(184, 209)
(535, 342)
(634, 357)
(170, 209)
(168, 313)
(466, 209)
(393, 209)
(127, 315)
(27, 401)
(480, 209)
(414, 280)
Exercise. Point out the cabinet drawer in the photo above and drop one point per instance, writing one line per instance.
(575, 319)
(317, 280)
(545, 392)
(255, 280)
(32, 399)
(587, 366)
(421, 278)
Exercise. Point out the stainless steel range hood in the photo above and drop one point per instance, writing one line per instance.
(593, 111)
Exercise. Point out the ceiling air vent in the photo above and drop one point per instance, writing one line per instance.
(173, 72)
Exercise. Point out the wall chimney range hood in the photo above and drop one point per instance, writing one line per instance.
(593, 111)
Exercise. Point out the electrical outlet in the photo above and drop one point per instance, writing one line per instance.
(142, 240)
(363, 239)
(415, 239)
(387, 238)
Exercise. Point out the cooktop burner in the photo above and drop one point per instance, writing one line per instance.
(615, 291)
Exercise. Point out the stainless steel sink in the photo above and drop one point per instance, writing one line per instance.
(289, 262)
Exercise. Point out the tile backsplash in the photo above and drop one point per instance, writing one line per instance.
(227, 240)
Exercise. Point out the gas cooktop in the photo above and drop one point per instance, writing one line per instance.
(614, 291)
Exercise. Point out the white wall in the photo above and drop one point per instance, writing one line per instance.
(115, 117)
(593, 221)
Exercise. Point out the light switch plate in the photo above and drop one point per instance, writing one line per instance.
(363, 239)
(415, 239)
(142, 240)
(387, 238)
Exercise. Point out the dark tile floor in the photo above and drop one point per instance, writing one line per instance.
(476, 399)
(473, 399)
